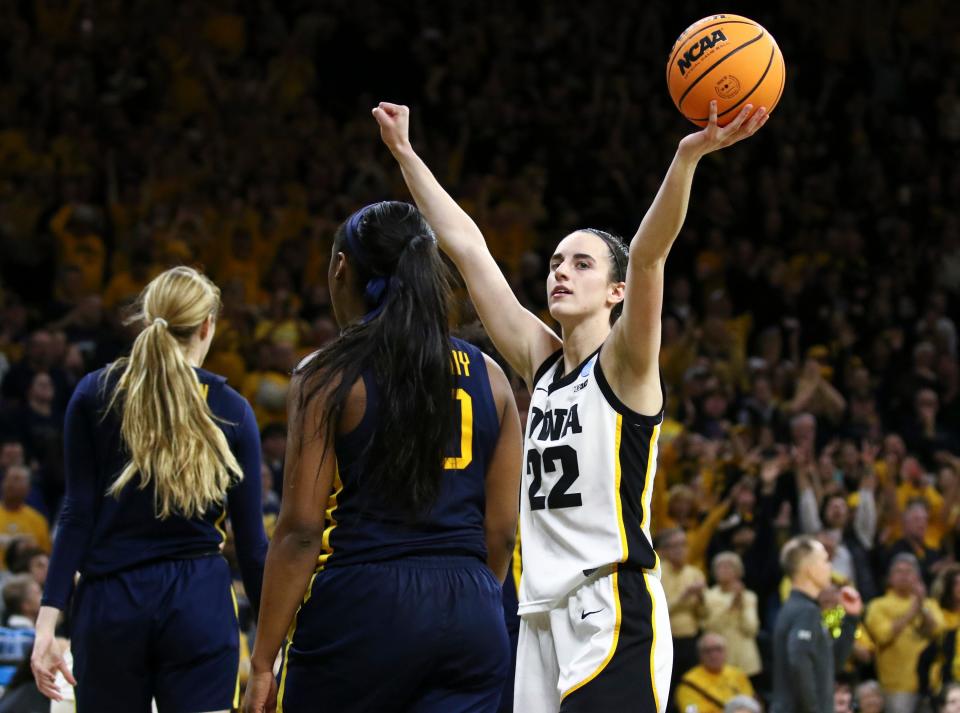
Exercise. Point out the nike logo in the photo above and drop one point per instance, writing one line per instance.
(585, 614)
(540, 388)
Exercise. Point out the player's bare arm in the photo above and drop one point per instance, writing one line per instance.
(518, 334)
(632, 361)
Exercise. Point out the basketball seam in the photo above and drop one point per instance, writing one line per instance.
(706, 27)
(763, 76)
(715, 65)
(783, 83)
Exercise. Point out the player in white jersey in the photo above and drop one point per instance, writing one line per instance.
(594, 633)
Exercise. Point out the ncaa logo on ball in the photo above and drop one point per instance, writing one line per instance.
(698, 49)
(727, 87)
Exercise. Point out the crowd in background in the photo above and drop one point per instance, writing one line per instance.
(809, 345)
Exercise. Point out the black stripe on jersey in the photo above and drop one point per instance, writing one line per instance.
(635, 444)
(558, 381)
(624, 410)
(543, 368)
(626, 682)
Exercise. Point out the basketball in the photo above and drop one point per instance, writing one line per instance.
(729, 58)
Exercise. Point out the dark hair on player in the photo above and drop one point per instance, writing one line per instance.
(403, 343)
(619, 256)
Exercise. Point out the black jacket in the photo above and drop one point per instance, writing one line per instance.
(805, 657)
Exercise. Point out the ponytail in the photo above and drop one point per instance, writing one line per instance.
(404, 344)
(165, 422)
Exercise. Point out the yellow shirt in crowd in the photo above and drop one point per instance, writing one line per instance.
(720, 687)
(685, 614)
(897, 657)
(25, 521)
(738, 625)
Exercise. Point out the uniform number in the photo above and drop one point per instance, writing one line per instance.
(466, 433)
(569, 472)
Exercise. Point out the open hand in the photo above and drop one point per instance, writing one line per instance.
(45, 662)
(713, 137)
(851, 601)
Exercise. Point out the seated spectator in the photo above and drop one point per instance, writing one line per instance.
(273, 445)
(951, 699)
(21, 602)
(842, 697)
(731, 611)
(869, 697)
(902, 623)
(24, 558)
(946, 590)
(683, 585)
(712, 684)
(18, 519)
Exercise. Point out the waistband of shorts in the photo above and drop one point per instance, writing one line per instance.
(201, 554)
(421, 562)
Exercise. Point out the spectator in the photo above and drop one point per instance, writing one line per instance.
(869, 696)
(946, 590)
(16, 517)
(902, 623)
(842, 698)
(683, 585)
(21, 602)
(713, 683)
(273, 444)
(731, 611)
(915, 519)
(951, 699)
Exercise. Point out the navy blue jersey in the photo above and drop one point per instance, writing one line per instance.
(99, 534)
(361, 528)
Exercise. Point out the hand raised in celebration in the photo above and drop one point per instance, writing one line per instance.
(713, 137)
(394, 121)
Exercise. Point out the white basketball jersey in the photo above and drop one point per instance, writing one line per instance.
(588, 478)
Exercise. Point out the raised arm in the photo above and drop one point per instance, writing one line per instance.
(518, 334)
(632, 362)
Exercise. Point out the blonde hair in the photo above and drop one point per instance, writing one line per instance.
(731, 558)
(166, 424)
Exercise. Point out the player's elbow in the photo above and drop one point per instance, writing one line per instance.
(300, 536)
(501, 537)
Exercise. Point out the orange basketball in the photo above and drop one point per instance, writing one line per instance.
(728, 58)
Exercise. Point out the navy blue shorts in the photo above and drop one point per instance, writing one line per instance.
(421, 634)
(167, 630)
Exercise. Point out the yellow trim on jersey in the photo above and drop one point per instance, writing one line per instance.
(236, 612)
(624, 548)
(647, 480)
(326, 550)
(218, 526)
(653, 644)
(613, 646)
(205, 391)
(517, 562)
(286, 649)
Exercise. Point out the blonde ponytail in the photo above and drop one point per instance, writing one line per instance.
(166, 424)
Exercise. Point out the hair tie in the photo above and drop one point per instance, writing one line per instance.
(161, 321)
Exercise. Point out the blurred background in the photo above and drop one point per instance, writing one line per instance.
(810, 339)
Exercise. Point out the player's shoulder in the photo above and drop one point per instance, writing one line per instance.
(96, 386)
(545, 366)
(224, 400)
